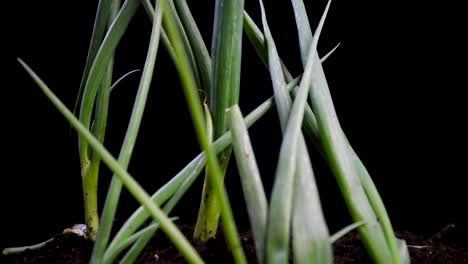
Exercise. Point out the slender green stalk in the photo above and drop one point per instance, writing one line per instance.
(257, 205)
(194, 104)
(99, 131)
(90, 185)
(224, 92)
(206, 227)
(95, 78)
(90, 174)
(174, 234)
(18, 250)
(115, 187)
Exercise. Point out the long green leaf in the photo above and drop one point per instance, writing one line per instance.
(337, 149)
(177, 238)
(254, 194)
(193, 101)
(126, 151)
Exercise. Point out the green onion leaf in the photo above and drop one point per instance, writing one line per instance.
(252, 186)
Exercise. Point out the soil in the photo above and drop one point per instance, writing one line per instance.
(443, 247)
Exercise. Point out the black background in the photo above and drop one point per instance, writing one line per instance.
(396, 81)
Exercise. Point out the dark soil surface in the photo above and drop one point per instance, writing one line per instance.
(446, 246)
(443, 247)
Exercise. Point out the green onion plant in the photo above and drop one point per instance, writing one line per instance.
(287, 224)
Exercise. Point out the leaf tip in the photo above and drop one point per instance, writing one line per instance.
(21, 61)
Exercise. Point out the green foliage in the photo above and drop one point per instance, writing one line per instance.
(292, 218)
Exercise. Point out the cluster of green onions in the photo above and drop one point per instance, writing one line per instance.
(291, 219)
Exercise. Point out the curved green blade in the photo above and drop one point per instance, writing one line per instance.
(254, 194)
